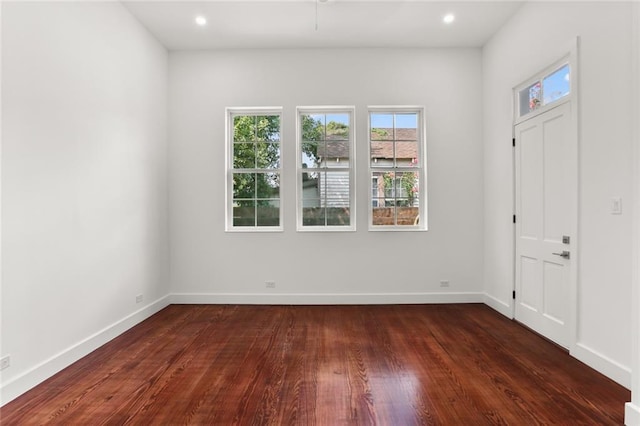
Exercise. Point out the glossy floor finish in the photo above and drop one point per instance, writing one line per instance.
(324, 365)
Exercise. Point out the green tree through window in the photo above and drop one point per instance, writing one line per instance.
(325, 149)
(256, 166)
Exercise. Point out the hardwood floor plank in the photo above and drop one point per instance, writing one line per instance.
(324, 365)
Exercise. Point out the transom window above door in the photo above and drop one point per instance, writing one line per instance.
(544, 90)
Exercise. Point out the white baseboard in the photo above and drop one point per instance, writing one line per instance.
(36, 375)
(631, 414)
(498, 305)
(599, 362)
(324, 298)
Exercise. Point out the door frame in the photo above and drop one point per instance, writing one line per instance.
(571, 58)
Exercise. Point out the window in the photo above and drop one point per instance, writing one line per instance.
(397, 168)
(545, 90)
(326, 169)
(530, 98)
(374, 191)
(556, 85)
(254, 169)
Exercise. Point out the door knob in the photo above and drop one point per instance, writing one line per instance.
(564, 254)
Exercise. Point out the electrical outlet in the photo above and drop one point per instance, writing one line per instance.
(139, 298)
(270, 284)
(5, 362)
(616, 205)
(444, 283)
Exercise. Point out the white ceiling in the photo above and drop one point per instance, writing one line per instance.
(340, 23)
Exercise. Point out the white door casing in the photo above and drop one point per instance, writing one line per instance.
(545, 159)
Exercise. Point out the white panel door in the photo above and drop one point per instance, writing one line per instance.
(544, 159)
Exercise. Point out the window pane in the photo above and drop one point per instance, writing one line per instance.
(310, 157)
(406, 134)
(313, 216)
(268, 213)
(244, 185)
(267, 155)
(244, 128)
(406, 215)
(406, 154)
(267, 128)
(313, 126)
(406, 121)
(321, 153)
(336, 153)
(381, 126)
(310, 187)
(382, 134)
(382, 215)
(387, 188)
(338, 216)
(268, 185)
(244, 155)
(337, 127)
(407, 187)
(557, 85)
(382, 154)
(335, 188)
(244, 213)
(530, 98)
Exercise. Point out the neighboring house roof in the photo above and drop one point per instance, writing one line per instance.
(381, 146)
(386, 134)
(334, 149)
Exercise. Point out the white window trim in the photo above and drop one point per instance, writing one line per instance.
(351, 110)
(422, 162)
(229, 113)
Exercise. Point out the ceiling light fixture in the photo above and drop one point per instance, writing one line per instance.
(449, 18)
(201, 20)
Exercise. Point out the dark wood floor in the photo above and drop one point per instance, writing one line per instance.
(324, 365)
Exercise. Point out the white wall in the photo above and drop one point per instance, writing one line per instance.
(84, 182)
(536, 36)
(210, 265)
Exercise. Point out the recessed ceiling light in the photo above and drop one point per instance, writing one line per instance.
(449, 18)
(201, 20)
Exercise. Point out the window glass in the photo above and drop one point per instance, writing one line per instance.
(396, 169)
(556, 85)
(325, 143)
(530, 98)
(546, 90)
(254, 194)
